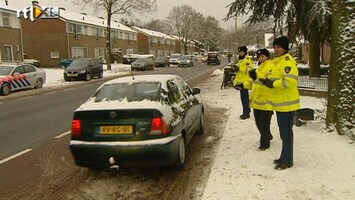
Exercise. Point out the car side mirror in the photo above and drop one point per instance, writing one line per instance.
(196, 91)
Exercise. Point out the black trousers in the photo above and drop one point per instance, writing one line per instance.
(263, 120)
(285, 122)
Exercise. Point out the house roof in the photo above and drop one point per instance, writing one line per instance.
(152, 33)
(7, 8)
(86, 19)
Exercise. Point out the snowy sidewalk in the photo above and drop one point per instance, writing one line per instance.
(324, 163)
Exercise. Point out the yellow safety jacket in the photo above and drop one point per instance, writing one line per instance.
(242, 76)
(284, 96)
(260, 94)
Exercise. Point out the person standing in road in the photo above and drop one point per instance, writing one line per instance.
(245, 64)
(260, 96)
(284, 98)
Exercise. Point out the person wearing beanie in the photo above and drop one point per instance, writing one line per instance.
(245, 64)
(259, 98)
(284, 98)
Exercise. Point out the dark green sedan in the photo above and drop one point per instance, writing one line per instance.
(145, 120)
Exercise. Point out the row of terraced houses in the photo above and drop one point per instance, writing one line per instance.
(75, 35)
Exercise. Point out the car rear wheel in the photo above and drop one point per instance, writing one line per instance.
(181, 153)
(39, 83)
(88, 77)
(5, 89)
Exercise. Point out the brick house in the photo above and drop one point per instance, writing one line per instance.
(74, 35)
(155, 43)
(180, 47)
(10, 35)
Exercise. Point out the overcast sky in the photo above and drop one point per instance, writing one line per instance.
(215, 8)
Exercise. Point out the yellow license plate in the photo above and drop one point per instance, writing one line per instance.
(72, 75)
(116, 129)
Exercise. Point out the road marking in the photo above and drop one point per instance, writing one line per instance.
(49, 93)
(24, 98)
(62, 135)
(14, 156)
(70, 89)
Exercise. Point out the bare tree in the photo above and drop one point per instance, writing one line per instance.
(182, 19)
(118, 7)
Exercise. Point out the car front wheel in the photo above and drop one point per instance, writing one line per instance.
(88, 77)
(201, 129)
(5, 89)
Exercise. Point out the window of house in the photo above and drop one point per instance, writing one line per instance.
(79, 52)
(121, 35)
(54, 54)
(112, 34)
(79, 29)
(127, 36)
(5, 19)
(101, 33)
(134, 37)
(8, 53)
(70, 28)
(85, 30)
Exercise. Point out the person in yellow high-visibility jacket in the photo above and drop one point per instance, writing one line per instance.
(284, 98)
(245, 64)
(260, 96)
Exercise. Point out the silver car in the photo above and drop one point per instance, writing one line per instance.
(15, 77)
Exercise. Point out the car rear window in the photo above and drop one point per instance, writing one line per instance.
(6, 70)
(137, 91)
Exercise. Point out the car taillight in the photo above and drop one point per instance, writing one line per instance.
(159, 126)
(76, 128)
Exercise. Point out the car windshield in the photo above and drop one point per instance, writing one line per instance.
(175, 56)
(79, 63)
(160, 59)
(6, 70)
(184, 57)
(212, 54)
(137, 91)
(141, 60)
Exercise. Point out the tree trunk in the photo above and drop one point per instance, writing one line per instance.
(341, 90)
(314, 53)
(108, 36)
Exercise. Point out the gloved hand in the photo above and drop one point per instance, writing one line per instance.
(239, 86)
(268, 83)
(252, 74)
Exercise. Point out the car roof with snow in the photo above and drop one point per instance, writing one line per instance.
(150, 78)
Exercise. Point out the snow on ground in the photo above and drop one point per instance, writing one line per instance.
(324, 163)
(55, 75)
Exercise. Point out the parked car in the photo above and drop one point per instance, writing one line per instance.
(65, 63)
(213, 57)
(84, 69)
(28, 60)
(142, 64)
(15, 77)
(162, 61)
(174, 58)
(142, 121)
(130, 58)
(186, 60)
